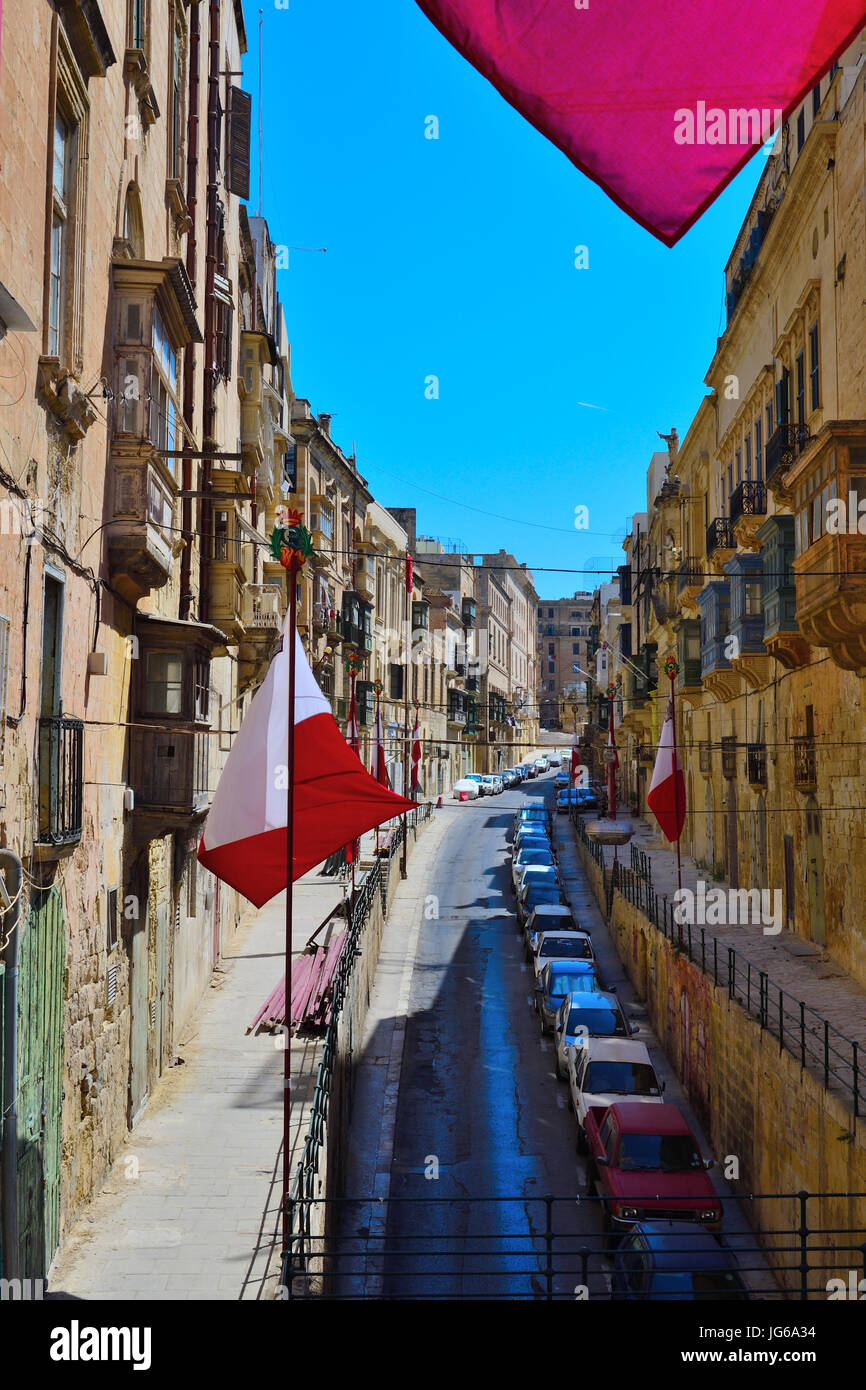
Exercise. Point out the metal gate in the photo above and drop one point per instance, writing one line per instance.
(42, 961)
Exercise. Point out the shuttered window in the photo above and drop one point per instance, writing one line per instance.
(239, 114)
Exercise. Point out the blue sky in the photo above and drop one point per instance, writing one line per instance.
(455, 258)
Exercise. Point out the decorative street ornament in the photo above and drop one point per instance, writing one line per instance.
(378, 687)
(352, 664)
(291, 542)
(610, 832)
(611, 691)
(671, 667)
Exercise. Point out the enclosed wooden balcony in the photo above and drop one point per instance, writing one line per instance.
(827, 487)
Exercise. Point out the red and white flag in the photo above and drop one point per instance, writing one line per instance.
(415, 785)
(335, 798)
(575, 759)
(380, 769)
(667, 794)
(352, 725)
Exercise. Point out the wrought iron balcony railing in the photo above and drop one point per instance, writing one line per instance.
(720, 535)
(805, 770)
(729, 757)
(783, 447)
(749, 499)
(61, 779)
(756, 757)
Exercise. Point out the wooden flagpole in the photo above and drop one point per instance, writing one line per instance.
(290, 845)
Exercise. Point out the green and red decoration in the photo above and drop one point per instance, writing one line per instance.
(291, 543)
(671, 667)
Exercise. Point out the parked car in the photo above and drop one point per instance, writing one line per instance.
(668, 1260)
(601, 1071)
(532, 813)
(558, 945)
(579, 1018)
(510, 777)
(492, 783)
(565, 799)
(558, 979)
(532, 830)
(530, 770)
(560, 782)
(647, 1165)
(535, 893)
(540, 765)
(549, 917)
(520, 772)
(548, 872)
(530, 856)
(467, 785)
(476, 777)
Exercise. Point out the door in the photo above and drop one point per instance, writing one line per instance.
(711, 824)
(733, 849)
(137, 1016)
(815, 873)
(161, 983)
(789, 882)
(42, 963)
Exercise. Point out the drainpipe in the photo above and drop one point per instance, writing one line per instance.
(14, 877)
(209, 387)
(189, 355)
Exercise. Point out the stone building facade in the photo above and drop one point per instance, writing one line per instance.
(562, 633)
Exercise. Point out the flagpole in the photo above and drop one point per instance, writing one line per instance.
(407, 586)
(292, 568)
(672, 675)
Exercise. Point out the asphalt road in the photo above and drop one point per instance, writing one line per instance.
(479, 1101)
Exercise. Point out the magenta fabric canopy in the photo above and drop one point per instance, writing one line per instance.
(659, 104)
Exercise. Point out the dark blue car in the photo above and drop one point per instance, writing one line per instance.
(668, 1260)
(559, 978)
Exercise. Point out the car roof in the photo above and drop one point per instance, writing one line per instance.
(582, 999)
(569, 967)
(553, 910)
(677, 1243)
(617, 1050)
(563, 934)
(665, 1119)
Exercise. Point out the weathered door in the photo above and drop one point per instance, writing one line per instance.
(733, 850)
(161, 983)
(137, 1015)
(789, 882)
(815, 873)
(42, 961)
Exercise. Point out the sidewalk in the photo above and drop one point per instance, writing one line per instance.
(190, 1208)
(800, 967)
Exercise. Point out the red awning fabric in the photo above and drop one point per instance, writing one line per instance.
(312, 995)
(652, 102)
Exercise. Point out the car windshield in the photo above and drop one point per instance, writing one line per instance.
(560, 921)
(565, 946)
(704, 1283)
(621, 1079)
(531, 855)
(669, 1153)
(535, 896)
(602, 1023)
(568, 982)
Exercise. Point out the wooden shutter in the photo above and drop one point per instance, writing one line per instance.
(239, 114)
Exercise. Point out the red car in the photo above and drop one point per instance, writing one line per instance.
(647, 1165)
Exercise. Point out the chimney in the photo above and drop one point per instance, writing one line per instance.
(325, 424)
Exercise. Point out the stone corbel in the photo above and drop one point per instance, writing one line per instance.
(60, 393)
(176, 203)
(135, 70)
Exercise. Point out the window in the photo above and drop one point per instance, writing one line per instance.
(752, 605)
(176, 109)
(551, 649)
(59, 221)
(814, 384)
(575, 649)
(783, 398)
(550, 612)
(748, 444)
(138, 23)
(730, 477)
(163, 688)
(326, 520)
(801, 128)
(192, 886)
(201, 688)
(759, 453)
(111, 896)
(738, 458)
(816, 98)
(769, 418)
(163, 391)
(551, 686)
(801, 389)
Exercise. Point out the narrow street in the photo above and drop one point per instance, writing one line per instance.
(483, 1130)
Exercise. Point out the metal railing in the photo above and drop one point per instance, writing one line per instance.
(641, 864)
(823, 1051)
(61, 779)
(805, 768)
(748, 499)
(302, 1193)
(783, 446)
(756, 758)
(720, 535)
(546, 1248)
(690, 574)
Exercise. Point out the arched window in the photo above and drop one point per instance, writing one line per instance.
(133, 222)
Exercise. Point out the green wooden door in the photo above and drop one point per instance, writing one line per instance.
(42, 961)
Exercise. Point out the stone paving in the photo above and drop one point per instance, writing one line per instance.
(190, 1208)
(803, 969)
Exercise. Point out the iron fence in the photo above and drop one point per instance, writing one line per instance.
(823, 1051)
(556, 1248)
(302, 1193)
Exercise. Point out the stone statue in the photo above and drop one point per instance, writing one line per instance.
(673, 442)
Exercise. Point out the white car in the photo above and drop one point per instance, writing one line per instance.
(605, 1071)
(530, 857)
(467, 785)
(541, 764)
(560, 945)
(549, 917)
(492, 784)
(478, 780)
